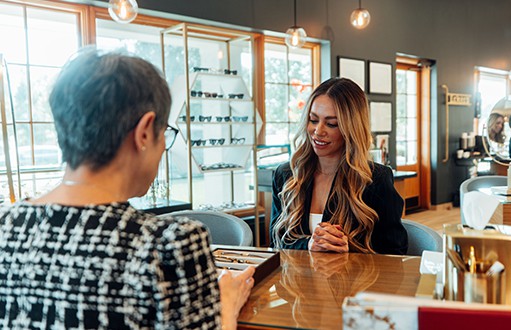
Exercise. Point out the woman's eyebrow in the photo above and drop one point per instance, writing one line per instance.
(326, 118)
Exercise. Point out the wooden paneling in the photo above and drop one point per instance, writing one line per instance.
(412, 187)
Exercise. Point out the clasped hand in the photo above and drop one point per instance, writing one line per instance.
(328, 237)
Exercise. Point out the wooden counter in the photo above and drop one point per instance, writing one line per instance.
(308, 289)
(502, 214)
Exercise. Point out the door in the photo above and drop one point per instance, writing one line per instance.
(412, 131)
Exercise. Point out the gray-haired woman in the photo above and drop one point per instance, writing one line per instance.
(81, 256)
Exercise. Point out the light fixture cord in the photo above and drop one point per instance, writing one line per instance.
(360, 4)
(295, 14)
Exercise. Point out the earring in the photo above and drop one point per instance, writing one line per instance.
(143, 148)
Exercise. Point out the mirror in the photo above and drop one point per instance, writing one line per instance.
(498, 130)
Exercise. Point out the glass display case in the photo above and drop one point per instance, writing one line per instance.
(210, 73)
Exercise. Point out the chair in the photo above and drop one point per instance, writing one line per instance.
(223, 228)
(421, 238)
(477, 183)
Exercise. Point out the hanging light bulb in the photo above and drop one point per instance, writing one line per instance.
(295, 35)
(123, 11)
(360, 17)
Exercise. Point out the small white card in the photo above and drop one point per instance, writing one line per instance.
(432, 262)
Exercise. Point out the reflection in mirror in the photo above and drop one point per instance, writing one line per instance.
(496, 127)
(499, 129)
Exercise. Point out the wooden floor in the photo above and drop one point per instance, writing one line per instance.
(435, 219)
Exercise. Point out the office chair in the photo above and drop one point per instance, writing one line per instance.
(421, 237)
(478, 182)
(223, 228)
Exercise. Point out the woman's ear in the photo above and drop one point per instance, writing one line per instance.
(143, 134)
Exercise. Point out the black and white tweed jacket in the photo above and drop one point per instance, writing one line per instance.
(104, 267)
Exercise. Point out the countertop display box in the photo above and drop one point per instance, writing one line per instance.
(237, 260)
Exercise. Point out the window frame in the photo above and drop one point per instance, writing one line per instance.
(411, 166)
(478, 72)
(315, 49)
(87, 14)
(81, 13)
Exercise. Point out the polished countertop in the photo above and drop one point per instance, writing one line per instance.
(308, 290)
(398, 175)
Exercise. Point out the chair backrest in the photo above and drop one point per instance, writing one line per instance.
(421, 237)
(478, 182)
(223, 228)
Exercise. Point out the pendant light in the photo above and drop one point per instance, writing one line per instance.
(123, 11)
(295, 35)
(360, 17)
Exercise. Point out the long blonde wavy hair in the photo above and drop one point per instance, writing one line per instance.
(353, 172)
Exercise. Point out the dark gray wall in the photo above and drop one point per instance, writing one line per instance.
(456, 34)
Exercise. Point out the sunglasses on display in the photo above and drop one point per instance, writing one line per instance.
(198, 142)
(216, 141)
(238, 140)
(225, 118)
(236, 96)
(240, 118)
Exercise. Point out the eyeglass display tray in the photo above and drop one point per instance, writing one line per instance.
(237, 260)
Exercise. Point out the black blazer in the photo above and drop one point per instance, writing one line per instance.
(389, 236)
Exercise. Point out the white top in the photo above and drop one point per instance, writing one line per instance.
(314, 220)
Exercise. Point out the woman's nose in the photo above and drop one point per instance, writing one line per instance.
(320, 129)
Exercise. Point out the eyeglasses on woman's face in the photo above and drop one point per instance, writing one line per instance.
(170, 136)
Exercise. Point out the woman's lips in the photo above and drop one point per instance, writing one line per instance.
(320, 143)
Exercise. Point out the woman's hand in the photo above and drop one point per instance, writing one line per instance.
(328, 237)
(329, 264)
(234, 292)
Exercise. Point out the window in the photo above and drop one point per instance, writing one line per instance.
(290, 76)
(35, 43)
(492, 86)
(37, 37)
(142, 40)
(407, 116)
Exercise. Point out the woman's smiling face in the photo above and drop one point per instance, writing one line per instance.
(323, 128)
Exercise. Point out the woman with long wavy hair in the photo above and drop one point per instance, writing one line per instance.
(496, 127)
(331, 196)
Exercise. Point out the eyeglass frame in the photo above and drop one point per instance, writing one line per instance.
(226, 119)
(240, 140)
(219, 141)
(170, 135)
(198, 142)
(239, 118)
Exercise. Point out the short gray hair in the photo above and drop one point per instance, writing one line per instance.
(98, 98)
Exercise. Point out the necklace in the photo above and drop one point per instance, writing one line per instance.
(326, 173)
(72, 183)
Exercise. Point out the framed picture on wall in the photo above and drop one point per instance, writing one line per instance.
(354, 69)
(380, 78)
(381, 116)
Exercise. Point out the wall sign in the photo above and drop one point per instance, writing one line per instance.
(458, 99)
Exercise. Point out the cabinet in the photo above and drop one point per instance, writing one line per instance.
(213, 108)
